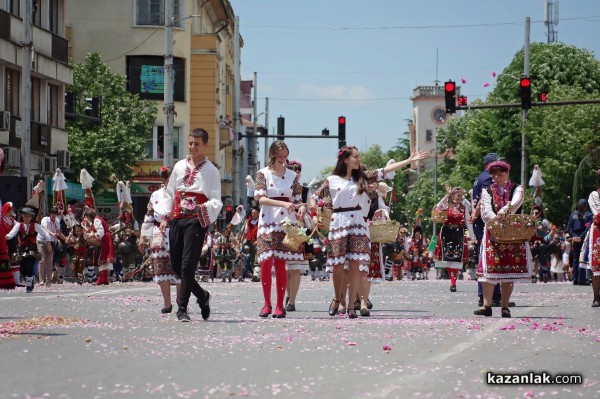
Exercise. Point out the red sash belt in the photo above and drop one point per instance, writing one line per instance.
(284, 199)
(197, 198)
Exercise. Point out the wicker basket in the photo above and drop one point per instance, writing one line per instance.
(324, 215)
(294, 236)
(439, 216)
(384, 231)
(512, 229)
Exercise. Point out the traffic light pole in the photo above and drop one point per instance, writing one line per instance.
(297, 136)
(533, 104)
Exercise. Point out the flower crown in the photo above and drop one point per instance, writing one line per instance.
(346, 148)
(163, 169)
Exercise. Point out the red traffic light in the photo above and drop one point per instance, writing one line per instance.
(342, 120)
(228, 208)
(449, 86)
(525, 82)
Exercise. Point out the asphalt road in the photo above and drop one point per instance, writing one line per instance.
(422, 341)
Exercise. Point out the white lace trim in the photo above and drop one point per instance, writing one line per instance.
(167, 277)
(281, 255)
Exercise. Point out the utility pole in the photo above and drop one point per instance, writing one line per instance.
(235, 190)
(26, 45)
(169, 78)
(266, 149)
(252, 155)
(524, 112)
(435, 173)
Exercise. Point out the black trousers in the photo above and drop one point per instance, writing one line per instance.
(186, 237)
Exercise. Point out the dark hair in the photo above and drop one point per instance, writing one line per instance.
(200, 133)
(358, 175)
(53, 210)
(275, 147)
(165, 172)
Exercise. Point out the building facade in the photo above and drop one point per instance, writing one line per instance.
(130, 36)
(50, 73)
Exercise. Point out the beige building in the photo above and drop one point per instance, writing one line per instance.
(129, 34)
(429, 114)
(49, 75)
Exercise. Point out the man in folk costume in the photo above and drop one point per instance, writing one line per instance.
(98, 228)
(27, 231)
(7, 280)
(194, 191)
(8, 221)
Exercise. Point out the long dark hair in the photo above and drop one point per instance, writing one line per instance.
(358, 175)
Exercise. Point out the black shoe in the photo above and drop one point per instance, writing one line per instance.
(333, 307)
(365, 312)
(182, 315)
(480, 303)
(369, 305)
(167, 310)
(266, 311)
(356, 305)
(205, 305)
(485, 311)
(596, 304)
(279, 313)
(505, 312)
(452, 288)
(290, 307)
(352, 314)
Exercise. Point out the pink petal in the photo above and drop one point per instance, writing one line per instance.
(493, 74)
(486, 84)
(387, 348)
(463, 80)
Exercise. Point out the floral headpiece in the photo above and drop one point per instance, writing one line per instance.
(346, 148)
(498, 164)
(163, 169)
(295, 163)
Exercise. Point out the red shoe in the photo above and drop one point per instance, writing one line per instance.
(279, 313)
(266, 311)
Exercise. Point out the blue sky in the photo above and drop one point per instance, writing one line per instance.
(318, 59)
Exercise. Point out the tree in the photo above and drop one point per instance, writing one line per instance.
(558, 138)
(119, 140)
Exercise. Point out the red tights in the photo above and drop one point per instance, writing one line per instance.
(280, 280)
(453, 273)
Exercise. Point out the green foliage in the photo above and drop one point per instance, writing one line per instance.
(114, 145)
(558, 138)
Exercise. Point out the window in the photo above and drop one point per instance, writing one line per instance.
(37, 13)
(14, 7)
(54, 18)
(35, 99)
(52, 101)
(12, 88)
(429, 135)
(152, 12)
(155, 146)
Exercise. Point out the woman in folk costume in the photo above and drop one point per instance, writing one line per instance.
(79, 256)
(97, 228)
(278, 192)
(26, 232)
(501, 263)
(451, 250)
(348, 239)
(590, 252)
(8, 221)
(159, 243)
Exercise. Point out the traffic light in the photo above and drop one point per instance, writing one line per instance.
(525, 85)
(92, 107)
(228, 213)
(262, 130)
(543, 96)
(280, 128)
(341, 131)
(462, 101)
(450, 96)
(325, 132)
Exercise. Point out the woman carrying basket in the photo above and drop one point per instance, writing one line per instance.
(590, 252)
(348, 238)
(451, 250)
(501, 262)
(278, 192)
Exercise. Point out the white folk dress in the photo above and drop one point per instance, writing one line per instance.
(348, 238)
(271, 230)
(159, 243)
